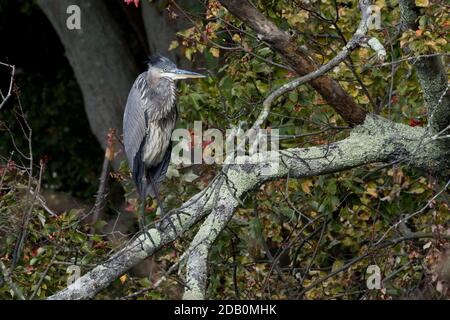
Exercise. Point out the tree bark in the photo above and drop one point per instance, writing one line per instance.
(161, 30)
(431, 74)
(103, 64)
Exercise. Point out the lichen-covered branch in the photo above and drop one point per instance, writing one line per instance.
(431, 74)
(199, 249)
(141, 247)
(377, 140)
(197, 264)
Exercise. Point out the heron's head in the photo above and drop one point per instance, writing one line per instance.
(162, 67)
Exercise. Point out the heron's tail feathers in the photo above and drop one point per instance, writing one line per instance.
(148, 180)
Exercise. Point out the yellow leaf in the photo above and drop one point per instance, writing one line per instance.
(123, 278)
(380, 3)
(372, 190)
(173, 45)
(188, 53)
(364, 215)
(306, 186)
(422, 3)
(441, 42)
(236, 37)
(418, 190)
(337, 265)
(215, 52)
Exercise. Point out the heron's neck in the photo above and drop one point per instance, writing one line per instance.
(164, 92)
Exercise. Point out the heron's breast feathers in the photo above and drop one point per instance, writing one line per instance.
(158, 137)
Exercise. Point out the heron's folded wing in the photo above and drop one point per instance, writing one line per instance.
(158, 173)
(134, 131)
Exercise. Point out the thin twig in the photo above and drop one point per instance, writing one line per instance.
(387, 243)
(11, 82)
(104, 178)
(157, 283)
(43, 275)
(26, 221)
(7, 277)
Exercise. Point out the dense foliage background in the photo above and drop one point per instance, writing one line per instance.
(292, 238)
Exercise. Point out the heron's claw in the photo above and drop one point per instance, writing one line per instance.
(145, 232)
(171, 223)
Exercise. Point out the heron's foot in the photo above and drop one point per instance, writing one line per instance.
(164, 216)
(145, 232)
(170, 222)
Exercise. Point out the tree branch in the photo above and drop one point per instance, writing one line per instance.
(6, 97)
(104, 179)
(377, 140)
(370, 251)
(288, 48)
(431, 74)
(7, 277)
(196, 274)
(197, 264)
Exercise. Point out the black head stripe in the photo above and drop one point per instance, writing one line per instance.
(161, 62)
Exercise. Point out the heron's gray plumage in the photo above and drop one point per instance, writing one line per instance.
(149, 119)
(150, 113)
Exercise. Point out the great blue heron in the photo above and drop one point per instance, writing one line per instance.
(149, 119)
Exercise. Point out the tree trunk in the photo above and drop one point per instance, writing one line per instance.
(102, 62)
(161, 31)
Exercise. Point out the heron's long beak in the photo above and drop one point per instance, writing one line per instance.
(177, 74)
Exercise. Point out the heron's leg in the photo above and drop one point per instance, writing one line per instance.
(156, 192)
(142, 224)
(159, 202)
